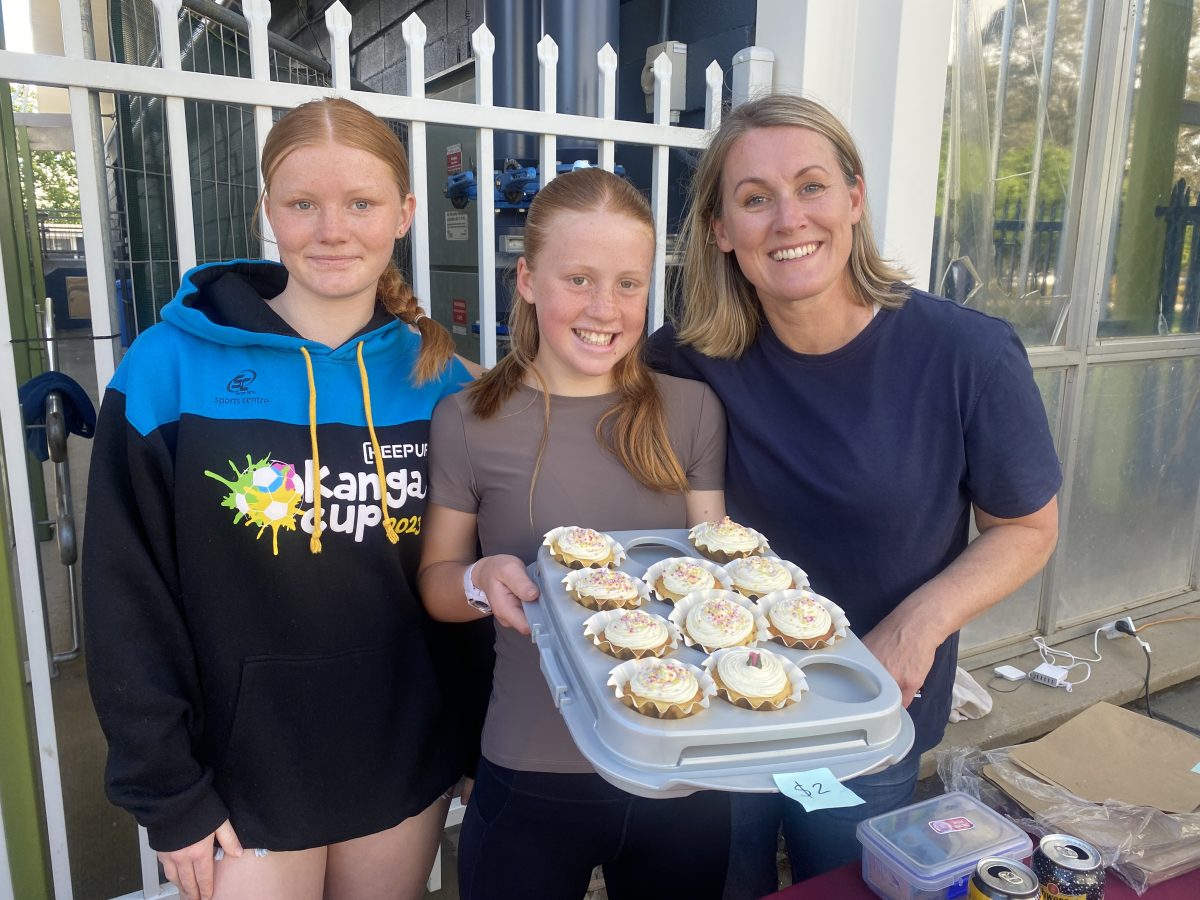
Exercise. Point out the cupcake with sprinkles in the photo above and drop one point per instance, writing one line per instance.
(674, 578)
(715, 619)
(631, 633)
(605, 589)
(801, 618)
(754, 678)
(726, 540)
(757, 576)
(662, 688)
(582, 548)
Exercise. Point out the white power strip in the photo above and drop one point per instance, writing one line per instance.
(1052, 675)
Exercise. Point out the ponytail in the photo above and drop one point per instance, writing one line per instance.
(437, 345)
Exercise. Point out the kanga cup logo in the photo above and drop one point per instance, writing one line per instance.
(265, 494)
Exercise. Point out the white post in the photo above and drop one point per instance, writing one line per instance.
(177, 142)
(484, 45)
(414, 33)
(89, 164)
(547, 53)
(606, 61)
(258, 15)
(658, 194)
(753, 70)
(337, 23)
(880, 67)
(714, 80)
(12, 439)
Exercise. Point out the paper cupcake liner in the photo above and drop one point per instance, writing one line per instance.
(620, 675)
(642, 598)
(840, 622)
(799, 578)
(654, 573)
(594, 626)
(723, 556)
(795, 675)
(678, 616)
(616, 553)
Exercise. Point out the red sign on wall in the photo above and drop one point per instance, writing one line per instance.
(458, 311)
(454, 159)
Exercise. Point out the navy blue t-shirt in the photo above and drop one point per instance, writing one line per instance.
(861, 465)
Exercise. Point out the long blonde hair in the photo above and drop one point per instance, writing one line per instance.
(721, 312)
(342, 122)
(634, 428)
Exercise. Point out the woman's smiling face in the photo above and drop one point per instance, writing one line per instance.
(787, 214)
(588, 286)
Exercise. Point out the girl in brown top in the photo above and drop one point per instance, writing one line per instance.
(571, 427)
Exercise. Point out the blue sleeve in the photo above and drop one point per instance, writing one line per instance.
(1012, 467)
(665, 354)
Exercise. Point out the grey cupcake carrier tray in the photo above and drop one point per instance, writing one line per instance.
(850, 720)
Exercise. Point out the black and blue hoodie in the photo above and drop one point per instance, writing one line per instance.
(255, 648)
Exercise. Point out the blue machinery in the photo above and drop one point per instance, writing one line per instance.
(514, 186)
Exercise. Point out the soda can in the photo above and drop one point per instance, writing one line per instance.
(997, 878)
(1068, 869)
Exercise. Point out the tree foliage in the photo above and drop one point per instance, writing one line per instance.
(55, 185)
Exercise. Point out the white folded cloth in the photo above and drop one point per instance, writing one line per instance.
(969, 700)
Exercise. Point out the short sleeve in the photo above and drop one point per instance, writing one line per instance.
(1012, 466)
(451, 476)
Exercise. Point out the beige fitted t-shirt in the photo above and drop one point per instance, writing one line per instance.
(485, 467)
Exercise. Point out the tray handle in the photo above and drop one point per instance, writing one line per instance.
(554, 676)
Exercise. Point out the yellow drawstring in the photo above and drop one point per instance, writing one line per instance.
(389, 524)
(314, 542)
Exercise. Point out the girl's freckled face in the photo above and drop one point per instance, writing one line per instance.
(589, 286)
(336, 212)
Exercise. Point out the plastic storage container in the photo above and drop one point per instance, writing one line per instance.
(928, 851)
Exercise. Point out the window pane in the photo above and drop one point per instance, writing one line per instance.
(1136, 475)
(1007, 161)
(1155, 261)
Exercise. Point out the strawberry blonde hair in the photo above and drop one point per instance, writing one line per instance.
(634, 428)
(342, 122)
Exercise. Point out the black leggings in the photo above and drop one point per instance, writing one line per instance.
(536, 835)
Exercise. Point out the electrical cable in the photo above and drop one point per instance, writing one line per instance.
(1146, 625)
(996, 680)
(1050, 655)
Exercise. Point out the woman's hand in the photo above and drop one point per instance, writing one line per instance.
(508, 587)
(906, 653)
(191, 868)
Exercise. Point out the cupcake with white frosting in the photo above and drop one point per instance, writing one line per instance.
(674, 578)
(754, 678)
(757, 576)
(725, 540)
(662, 688)
(582, 548)
(801, 618)
(605, 589)
(716, 619)
(631, 634)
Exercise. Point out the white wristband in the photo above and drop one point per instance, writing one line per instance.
(476, 599)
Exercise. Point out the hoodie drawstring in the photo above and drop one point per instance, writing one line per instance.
(389, 524)
(314, 542)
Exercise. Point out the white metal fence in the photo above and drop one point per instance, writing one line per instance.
(86, 79)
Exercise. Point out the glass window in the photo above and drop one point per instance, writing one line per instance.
(1154, 266)
(1135, 475)
(1012, 111)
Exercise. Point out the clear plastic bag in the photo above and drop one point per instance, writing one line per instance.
(1144, 846)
